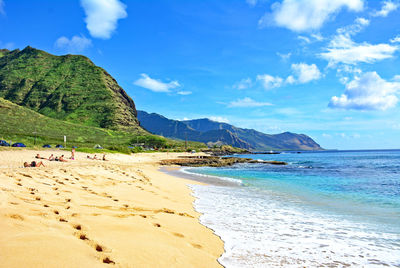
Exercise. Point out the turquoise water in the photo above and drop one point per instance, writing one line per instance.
(323, 209)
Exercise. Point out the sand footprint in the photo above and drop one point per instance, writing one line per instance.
(178, 235)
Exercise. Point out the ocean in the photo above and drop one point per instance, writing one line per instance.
(323, 209)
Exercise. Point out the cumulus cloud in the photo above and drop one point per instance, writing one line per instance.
(395, 39)
(302, 73)
(102, 16)
(305, 73)
(219, 119)
(155, 85)
(342, 49)
(269, 81)
(243, 84)
(367, 92)
(74, 45)
(247, 102)
(387, 7)
(307, 15)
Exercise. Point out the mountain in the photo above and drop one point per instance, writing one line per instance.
(69, 88)
(206, 130)
(256, 139)
(160, 125)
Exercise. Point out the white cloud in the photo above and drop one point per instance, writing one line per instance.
(302, 73)
(305, 73)
(243, 84)
(395, 40)
(155, 85)
(317, 37)
(307, 15)
(304, 39)
(349, 52)
(269, 81)
(367, 92)
(283, 56)
(219, 119)
(184, 93)
(102, 16)
(387, 7)
(342, 49)
(73, 45)
(247, 102)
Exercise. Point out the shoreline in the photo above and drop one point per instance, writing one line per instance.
(124, 211)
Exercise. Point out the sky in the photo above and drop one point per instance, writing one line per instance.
(325, 68)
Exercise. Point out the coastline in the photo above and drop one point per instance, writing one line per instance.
(124, 211)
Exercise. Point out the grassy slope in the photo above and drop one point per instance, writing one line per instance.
(19, 124)
(66, 87)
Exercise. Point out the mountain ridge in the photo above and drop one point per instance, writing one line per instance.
(209, 131)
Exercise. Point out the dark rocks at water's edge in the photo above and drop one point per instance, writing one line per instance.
(214, 161)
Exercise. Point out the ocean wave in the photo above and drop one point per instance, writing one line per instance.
(236, 181)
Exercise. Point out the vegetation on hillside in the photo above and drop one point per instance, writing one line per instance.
(66, 87)
(24, 125)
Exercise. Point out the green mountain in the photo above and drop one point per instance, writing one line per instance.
(206, 130)
(69, 88)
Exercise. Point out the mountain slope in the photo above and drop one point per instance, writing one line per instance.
(22, 124)
(206, 130)
(160, 125)
(259, 140)
(66, 87)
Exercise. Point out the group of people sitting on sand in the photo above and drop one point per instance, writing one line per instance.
(59, 159)
(95, 157)
(40, 163)
(52, 158)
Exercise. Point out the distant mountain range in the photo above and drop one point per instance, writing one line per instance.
(212, 132)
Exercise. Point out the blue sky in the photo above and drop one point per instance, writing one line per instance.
(325, 68)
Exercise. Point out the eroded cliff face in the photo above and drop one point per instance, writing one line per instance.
(68, 87)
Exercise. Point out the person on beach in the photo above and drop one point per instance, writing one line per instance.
(72, 154)
(39, 157)
(51, 157)
(61, 159)
(94, 157)
(104, 157)
(33, 164)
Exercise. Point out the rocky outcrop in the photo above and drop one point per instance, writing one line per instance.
(215, 161)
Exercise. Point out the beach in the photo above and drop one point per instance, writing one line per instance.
(92, 213)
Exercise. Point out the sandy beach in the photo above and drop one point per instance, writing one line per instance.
(122, 212)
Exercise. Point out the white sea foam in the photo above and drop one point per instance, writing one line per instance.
(236, 181)
(265, 230)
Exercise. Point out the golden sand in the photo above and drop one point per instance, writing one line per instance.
(91, 213)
